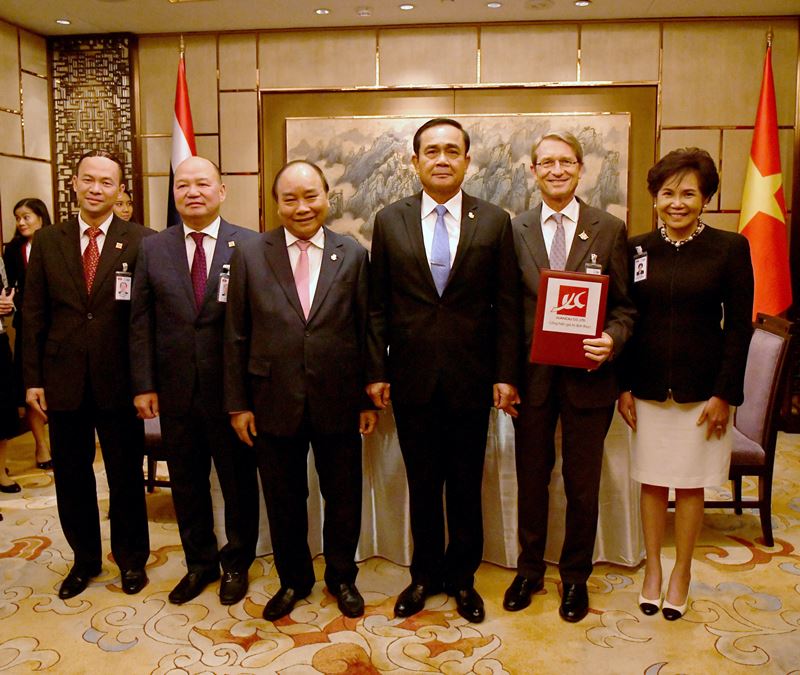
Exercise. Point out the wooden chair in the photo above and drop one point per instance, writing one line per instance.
(152, 448)
(755, 427)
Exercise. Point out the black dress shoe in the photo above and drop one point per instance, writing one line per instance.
(10, 488)
(75, 583)
(233, 587)
(574, 602)
(349, 600)
(518, 595)
(412, 599)
(282, 603)
(191, 586)
(45, 466)
(469, 604)
(133, 581)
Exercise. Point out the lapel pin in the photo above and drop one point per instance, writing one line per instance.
(231, 244)
(334, 257)
(583, 236)
(118, 245)
(470, 215)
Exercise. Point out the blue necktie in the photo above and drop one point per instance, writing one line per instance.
(440, 251)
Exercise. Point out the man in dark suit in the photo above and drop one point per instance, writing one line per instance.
(177, 325)
(444, 345)
(294, 354)
(77, 372)
(565, 233)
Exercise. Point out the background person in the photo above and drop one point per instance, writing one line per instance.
(9, 420)
(31, 215)
(683, 370)
(123, 207)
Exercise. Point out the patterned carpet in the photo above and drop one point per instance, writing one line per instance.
(744, 616)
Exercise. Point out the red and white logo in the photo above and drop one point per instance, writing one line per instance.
(572, 301)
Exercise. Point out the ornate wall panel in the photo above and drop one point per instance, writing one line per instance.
(93, 104)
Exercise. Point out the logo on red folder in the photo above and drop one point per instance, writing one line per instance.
(572, 301)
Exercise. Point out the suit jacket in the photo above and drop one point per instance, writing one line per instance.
(606, 239)
(74, 339)
(679, 343)
(462, 342)
(15, 272)
(173, 346)
(277, 363)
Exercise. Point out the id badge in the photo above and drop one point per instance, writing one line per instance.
(122, 286)
(224, 280)
(639, 265)
(594, 267)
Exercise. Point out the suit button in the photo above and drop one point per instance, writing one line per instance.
(90, 316)
(308, 333)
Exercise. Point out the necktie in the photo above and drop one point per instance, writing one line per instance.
(91, 256)
(199, 270)
(558, 249)
(302, 276)
(440, 251)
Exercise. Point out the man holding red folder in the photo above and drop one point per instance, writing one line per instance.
(565, 233)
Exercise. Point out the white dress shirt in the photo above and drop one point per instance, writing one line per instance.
(452, 221)
(209, 242)
(569, 220)
(314, 258)
(101, 238)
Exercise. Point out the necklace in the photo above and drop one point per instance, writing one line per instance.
(677, 244)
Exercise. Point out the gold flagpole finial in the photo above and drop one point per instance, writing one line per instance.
(770, 35)
(183, 46)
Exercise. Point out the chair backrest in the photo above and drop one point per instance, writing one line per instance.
(764, 377)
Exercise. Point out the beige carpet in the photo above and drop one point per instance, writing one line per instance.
(744, 616)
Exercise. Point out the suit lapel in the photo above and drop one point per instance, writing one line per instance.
(176, 252)
(223, 250)
(71, 251)
(534, 239)
(581, 246)
(278, 260)
(412, 218)
(115, 243)
(469, 224)
(332, 261)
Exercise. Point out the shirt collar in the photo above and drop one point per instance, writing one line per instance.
(211, 230)
(453, 205)
(571, 211)
(103, 226)
(318, 239)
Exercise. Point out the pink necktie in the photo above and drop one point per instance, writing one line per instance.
(199, 271)
(302, 276)
(91, 257)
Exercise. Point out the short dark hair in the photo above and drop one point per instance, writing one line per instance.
(293, 162)
(437, 122)
(107, 155)
(35, 205)
(678, 163)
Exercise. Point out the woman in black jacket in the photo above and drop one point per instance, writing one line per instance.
(31, 215)
(683, 368)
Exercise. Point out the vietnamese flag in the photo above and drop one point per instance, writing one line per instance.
(183, 145)
(763, 216)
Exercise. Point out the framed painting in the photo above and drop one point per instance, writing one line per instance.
(367, 160)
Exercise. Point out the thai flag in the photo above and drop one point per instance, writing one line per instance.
(182, 138)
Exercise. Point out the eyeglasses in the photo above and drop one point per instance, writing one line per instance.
(548, 164)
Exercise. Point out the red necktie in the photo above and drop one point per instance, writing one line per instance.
(199, 271)
(302, 276)
(91, 256)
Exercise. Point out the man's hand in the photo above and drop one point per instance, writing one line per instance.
(716, 414)
(244, 424)
(598, 349)
(34, 397)
(505, 398)
(379, 393)
(367, 421)
(146, 405)
(7, 300)
(627, 408)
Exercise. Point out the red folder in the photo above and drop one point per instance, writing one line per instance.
(571, 306)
